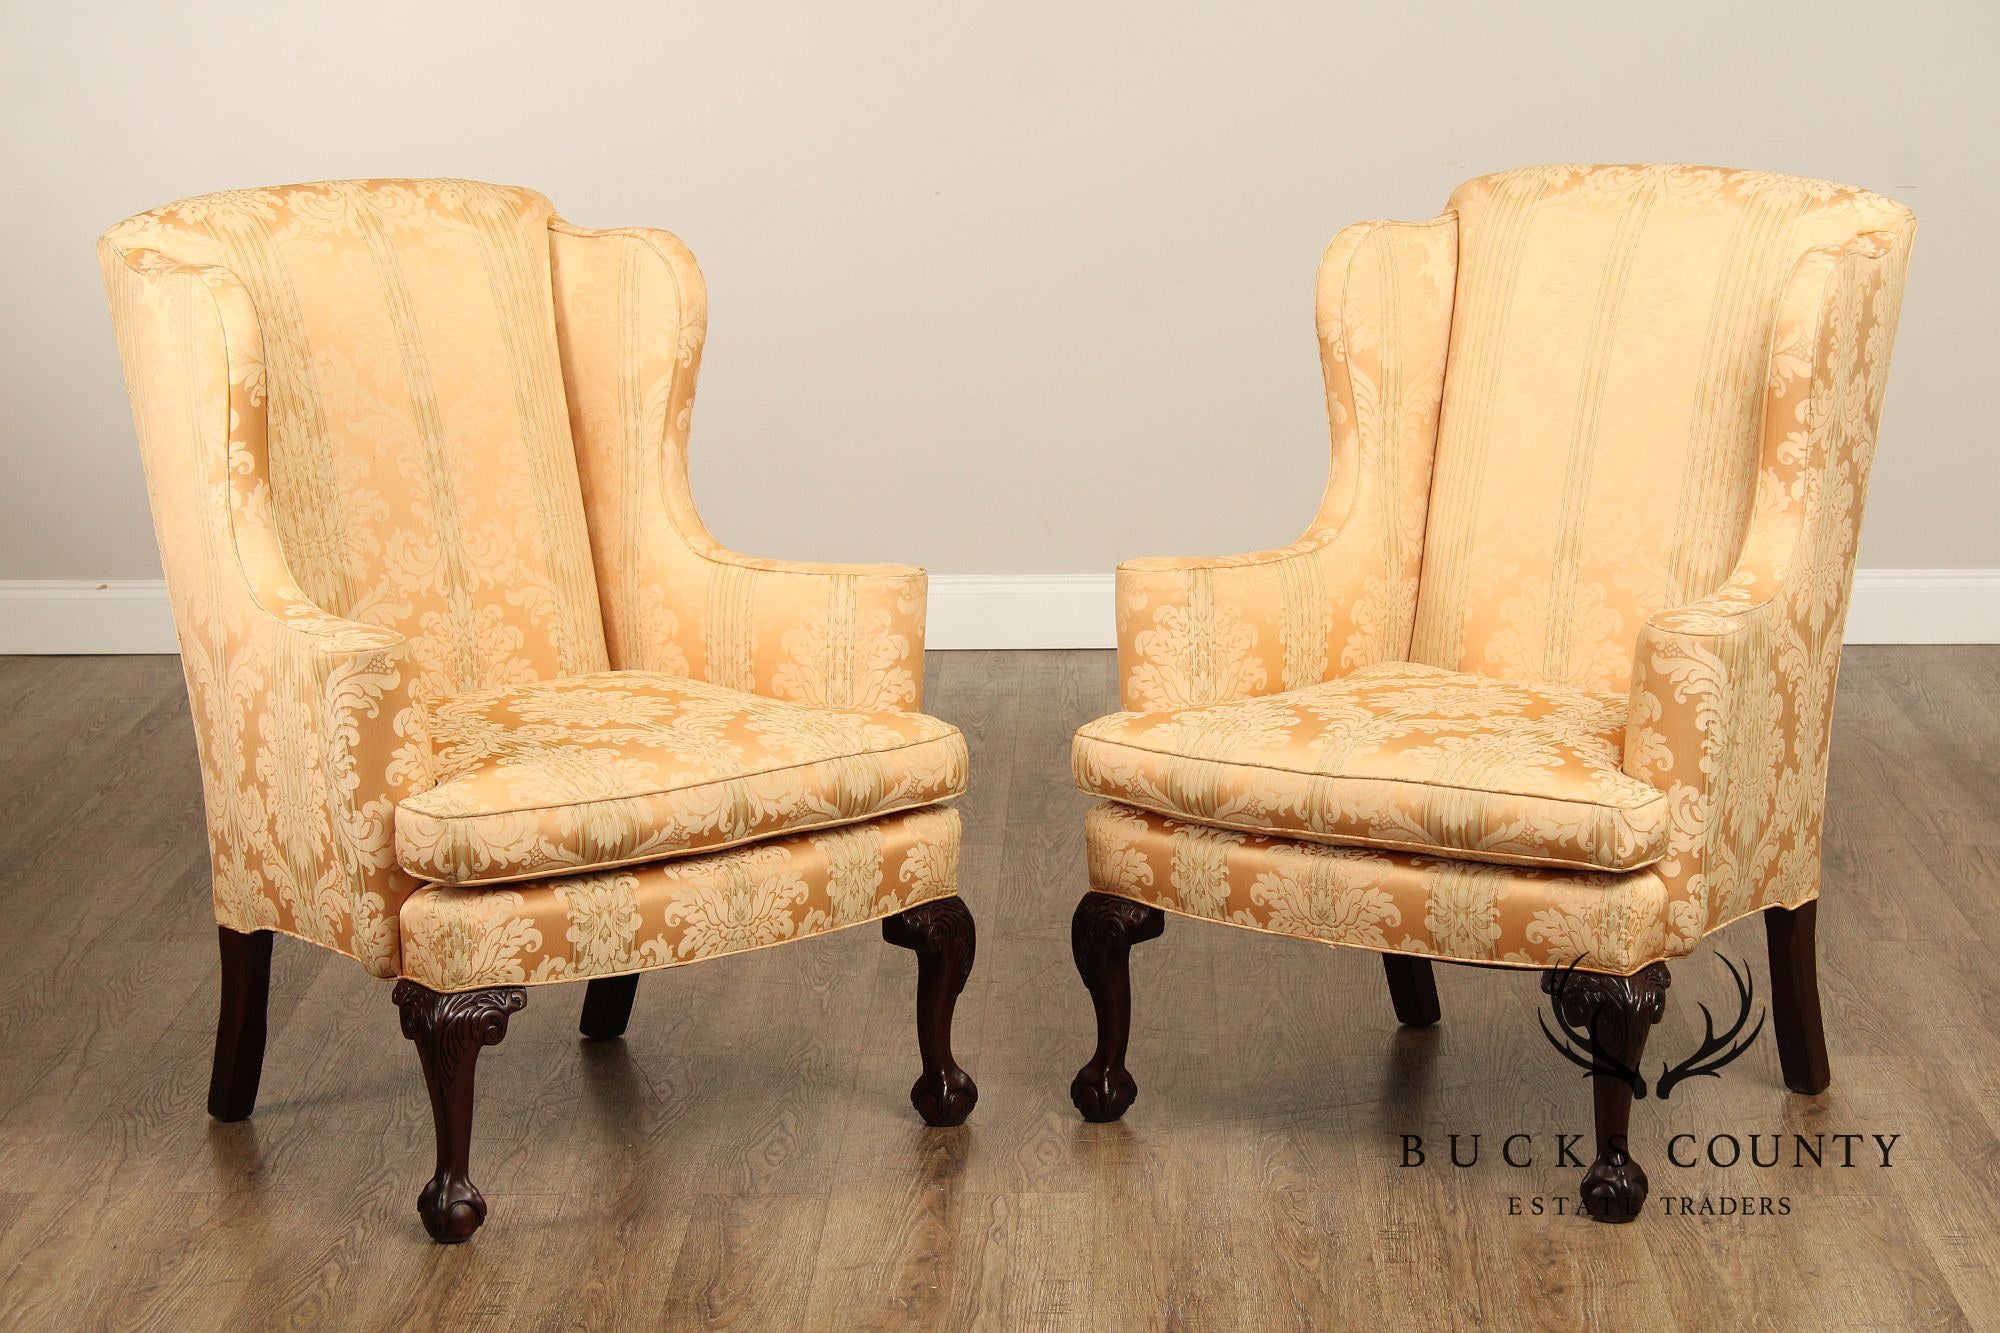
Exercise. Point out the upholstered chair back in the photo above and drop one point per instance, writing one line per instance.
(1602, 432)
(421, 472)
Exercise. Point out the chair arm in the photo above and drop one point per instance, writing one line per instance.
(308, 729)
(1205, 630)
(341, 741)
(1732, 695)
(844, 636)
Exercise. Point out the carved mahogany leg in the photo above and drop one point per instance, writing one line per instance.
(448, 1031)
(1619, 1011)
(941, 934)
(1101, 936)
(1793, 941)
(607, 1006)
(239, 1030)
(1412, 989)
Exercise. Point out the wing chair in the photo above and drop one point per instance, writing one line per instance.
(479, 701)
(1547, 683)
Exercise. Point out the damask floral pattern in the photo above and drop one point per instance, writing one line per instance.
(668, 913)
(1389, 901)
(1400, 756)
(595, 771)
(632, 314)
(354, 410)
(1663, 391)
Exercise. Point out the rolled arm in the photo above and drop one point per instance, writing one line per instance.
(846, 636)
(631, 318)
(306, 723)
(1732, 695)
(1200, 631)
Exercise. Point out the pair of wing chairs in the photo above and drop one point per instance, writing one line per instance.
(482, 705)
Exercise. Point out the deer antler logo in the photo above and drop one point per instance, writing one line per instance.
(1715, 1052)
(1573, 1004)
(1585, 1015)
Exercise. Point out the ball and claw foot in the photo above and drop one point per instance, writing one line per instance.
(1614, 1189)
(1616, 1012)
(1103, 1094)
(451, 1209)
(945, 1097)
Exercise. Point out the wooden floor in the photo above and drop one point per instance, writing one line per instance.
(746, 1156)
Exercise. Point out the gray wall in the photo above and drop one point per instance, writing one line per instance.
(1026, 288)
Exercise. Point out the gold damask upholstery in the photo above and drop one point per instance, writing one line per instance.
(412, 448)
(402, 401)
(478, 700)
(1398, 756)
(1600, 440)
(590, 772)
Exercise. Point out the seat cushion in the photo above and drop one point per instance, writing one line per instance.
(590, 772)
(1403, 756)
(1393, 902)
(610, 922)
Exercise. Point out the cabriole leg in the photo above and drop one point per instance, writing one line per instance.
(1101, 936)
(1619, 1012)
(941, 934)
(449, 1031)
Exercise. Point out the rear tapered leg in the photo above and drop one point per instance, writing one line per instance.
(941, 934)
(1791, 935)
(449, 1031)
(1412, 989)
(607, 1007)
(239, 1029)
(1616, 1013)
(1101, 936)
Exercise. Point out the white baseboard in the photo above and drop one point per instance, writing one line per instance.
(1925, 606)
(1021, 611)
(975, 611)
(1075, 610)
(63, 616)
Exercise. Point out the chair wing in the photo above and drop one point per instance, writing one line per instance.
(1598, 446)
(631, 313)
(422, 473)
(1732, 695)
(1198, 631)
(305, 722)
